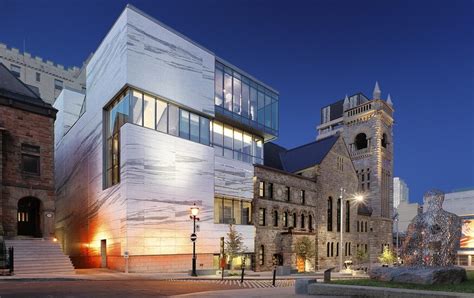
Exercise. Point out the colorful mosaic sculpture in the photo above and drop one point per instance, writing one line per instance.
(433, 236)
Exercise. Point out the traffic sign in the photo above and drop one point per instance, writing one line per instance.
(193, 237)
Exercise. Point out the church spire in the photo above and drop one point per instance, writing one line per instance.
(377, 93)
(389, 100)
(346, 103)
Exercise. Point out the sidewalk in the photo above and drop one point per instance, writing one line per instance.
(274, 293)
(106, 274)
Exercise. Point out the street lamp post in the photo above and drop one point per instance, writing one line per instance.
(342, 230)
(396, 221)
(358, 199)
(193, 216)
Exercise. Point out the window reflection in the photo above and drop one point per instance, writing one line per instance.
(133, 106)
(236, 144)
(249, 102)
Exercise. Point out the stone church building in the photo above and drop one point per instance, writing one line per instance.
(26, 165)
(298, 191)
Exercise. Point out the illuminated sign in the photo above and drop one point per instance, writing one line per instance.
(467, 237)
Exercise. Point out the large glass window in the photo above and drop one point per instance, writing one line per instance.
(228, 91)
(173, 124)
(234, 143)
(149, 111)
(161, 116)
(250, 103)
(194, 127)
(253, 104)
(219, 87)
(237, 95)
(245, 99)
(261, 108)
(184, 124)
(136, 108)
(232, 211)
(204, 135)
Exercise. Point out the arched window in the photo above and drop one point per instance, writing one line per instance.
(360, 141)
(275, 218)
(365, 226)
(261, 255)
(332, 249)
(348, 217)
(310, 222)
(327, 249)
(358, 229)
(302, 221)
(329, 211)
(338, 216)
(285, 219)
(294, 220)
(337, 249)
(384, 140)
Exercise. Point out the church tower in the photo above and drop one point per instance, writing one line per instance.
(368, 134)
(366, 125)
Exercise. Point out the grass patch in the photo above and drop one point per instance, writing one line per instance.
(465, 287)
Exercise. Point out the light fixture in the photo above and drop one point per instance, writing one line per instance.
(194, 210)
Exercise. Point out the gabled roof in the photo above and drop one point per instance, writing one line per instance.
(10, 84)
(15, 93)
(298, 158)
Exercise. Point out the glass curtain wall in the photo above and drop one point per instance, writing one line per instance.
(136, 107)
(232, 211)
(245, 99)
(236, 144)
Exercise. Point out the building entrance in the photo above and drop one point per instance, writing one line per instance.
(28, 217)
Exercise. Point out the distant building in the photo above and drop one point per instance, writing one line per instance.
(405, 212)
(45, 78)
(461, 203)
(400, 191)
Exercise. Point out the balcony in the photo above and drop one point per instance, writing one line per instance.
(361, 153)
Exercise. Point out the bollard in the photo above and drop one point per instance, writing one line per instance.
(274, 275)
(327, 274)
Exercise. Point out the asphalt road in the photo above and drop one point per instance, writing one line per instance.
(116, 288)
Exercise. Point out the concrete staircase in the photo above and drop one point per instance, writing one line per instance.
(39, 256)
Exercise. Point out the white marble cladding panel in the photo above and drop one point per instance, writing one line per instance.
(68, 104)
(85, 213)
(107, 69)
(162, 62)
(165, 175)
(233, 178)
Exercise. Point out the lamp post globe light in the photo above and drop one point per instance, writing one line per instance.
(193, 216)
(358, 198)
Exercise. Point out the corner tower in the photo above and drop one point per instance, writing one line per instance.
(366, 125)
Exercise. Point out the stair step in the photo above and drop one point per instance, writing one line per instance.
(37, 256)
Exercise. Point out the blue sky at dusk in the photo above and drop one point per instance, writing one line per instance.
(313, 52)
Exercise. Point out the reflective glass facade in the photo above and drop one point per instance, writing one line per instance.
(139, 108)
(244, 100)
(236, 144)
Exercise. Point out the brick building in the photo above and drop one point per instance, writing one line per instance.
(26, 165)
(297, 194)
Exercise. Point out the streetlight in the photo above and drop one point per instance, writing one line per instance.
(358, 198)
(193, 216)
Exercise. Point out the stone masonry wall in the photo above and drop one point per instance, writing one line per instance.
(22, 127)
(271, 236)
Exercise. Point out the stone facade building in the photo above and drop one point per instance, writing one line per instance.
(45, 78)
(297, 193)
(366, 125)
(26, 166)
